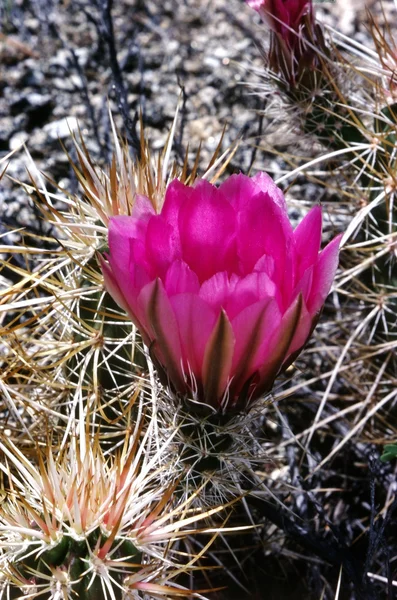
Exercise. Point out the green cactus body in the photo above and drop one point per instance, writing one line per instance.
(75, 557)
(55, 556)
(104, 363)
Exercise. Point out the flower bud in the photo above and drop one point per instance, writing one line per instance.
(296, 38)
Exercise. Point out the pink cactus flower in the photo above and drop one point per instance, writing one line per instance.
(284, 17)
(223, 290)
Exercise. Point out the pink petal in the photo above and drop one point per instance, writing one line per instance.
(218, 360)
(296, 9)
(162, 326)
(238, 190)
(285, 14)
(265, 184)
(111, 284)
(138, 254)
(196, 322)
(304, 285)
(308, 239)
(263, 228)
(162, 246)
(276, 351)
(175, 197)
(180, 279)
(207, 225)
(266, 264)
(233, 294)
(248, 290)
(127, 302)
(323, 275)
(131, 272)
(256, 4)
(125, 234)
(142, 207)
(127, 260)
(216, 290)
(123, 227)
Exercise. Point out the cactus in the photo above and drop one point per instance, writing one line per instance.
(94, 526)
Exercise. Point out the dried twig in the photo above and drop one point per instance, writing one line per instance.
(107, 29)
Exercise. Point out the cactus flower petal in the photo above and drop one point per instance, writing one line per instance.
(111, 284)
(308, 229)
(323, 275)
(196, 321)
(263, 229)
(205, 219)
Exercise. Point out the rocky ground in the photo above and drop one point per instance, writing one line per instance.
(56, 76)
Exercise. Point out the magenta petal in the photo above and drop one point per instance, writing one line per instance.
(122, 228)
(176, 195)
(196, 321)
(265, 183)
(295, 10)
(138, 279)
(263, 228)
(127, 302)
(216, 290)
(163, 330)
(125, 234)
(255, 4)
(218, 361)
(162, 246)
(131, 272)
(304, 285)
(323, 275)
(233, 294)
(285, 12)
(127, 258)
(238, 190)
(142, 207)
(266, 264)
(250, 289)
(111, 284)
(276, 351)
(307, 240)
(137, 253)
(121, 231)
(180, 279)
(207, 225)
(220, 285)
